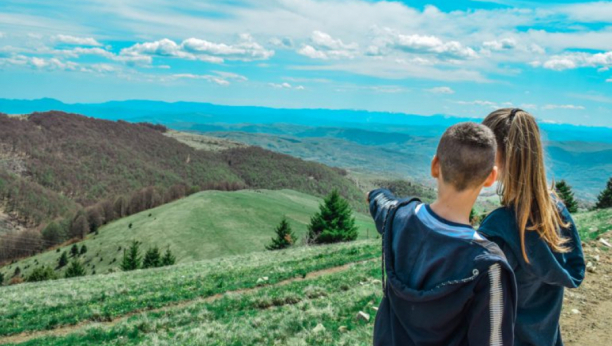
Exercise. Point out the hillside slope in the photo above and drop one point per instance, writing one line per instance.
(52, 163)
(310, 296)
(205, 225)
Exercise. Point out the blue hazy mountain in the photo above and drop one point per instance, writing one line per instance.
(387, 143)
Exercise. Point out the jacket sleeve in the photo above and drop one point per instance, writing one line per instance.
(381, 201)
(492, 314)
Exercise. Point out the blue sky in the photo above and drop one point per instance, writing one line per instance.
(461, 58)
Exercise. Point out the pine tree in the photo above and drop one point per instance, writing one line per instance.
(284, 236)
(1, 278)
(83, 249)
(567, 196)
(75, 269)
(131, 257)
(17, 272)
(63, 260)
(605, 197)
(168, 258)
(333, 223)
(152, 258)
(74, 250)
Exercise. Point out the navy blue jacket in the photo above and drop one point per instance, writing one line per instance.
(540, 284)
(446, 285)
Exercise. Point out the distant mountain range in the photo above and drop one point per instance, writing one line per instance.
(391, 144)
(198, 113)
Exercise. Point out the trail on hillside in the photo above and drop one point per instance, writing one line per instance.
(65, 330)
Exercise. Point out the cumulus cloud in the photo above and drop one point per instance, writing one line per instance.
(441, 90)
(573, 107)
(579, 59)
(197, 49)
(426, 44)
(73, 40)
(324, 46)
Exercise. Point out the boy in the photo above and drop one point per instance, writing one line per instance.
(446, 284)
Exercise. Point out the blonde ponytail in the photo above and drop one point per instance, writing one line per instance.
(523, 183)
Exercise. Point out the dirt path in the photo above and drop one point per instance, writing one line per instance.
(587, 312)
(65, 330)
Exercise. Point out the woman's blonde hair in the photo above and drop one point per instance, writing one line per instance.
(522, 179)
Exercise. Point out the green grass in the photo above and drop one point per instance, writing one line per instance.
(593, 223)
(47, 305)
(206, 225)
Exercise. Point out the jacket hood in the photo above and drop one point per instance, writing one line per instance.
(559, 269)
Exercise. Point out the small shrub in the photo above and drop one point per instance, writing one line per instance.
(43, 273)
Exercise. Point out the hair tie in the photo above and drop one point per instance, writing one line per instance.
(513, 113)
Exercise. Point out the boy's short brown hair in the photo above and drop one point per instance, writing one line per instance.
(467, 154)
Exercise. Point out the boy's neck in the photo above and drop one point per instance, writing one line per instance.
(455, 206)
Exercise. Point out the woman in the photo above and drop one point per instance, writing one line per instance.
(533, 228)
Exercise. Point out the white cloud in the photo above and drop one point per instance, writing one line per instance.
(503, 44)
(73, 40)
(220, 77)
(285, 85)
(426, 44)
(609, 80)
(579, 59)
(326, 47)
(197, 49)
(574, 107)
(441, 90)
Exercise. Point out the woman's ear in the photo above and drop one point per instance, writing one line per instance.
(435, 167)
(491, 178)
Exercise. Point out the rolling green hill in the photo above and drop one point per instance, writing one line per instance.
(205, 225)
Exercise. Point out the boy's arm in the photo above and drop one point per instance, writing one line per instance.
(381, 200)
(493, 312)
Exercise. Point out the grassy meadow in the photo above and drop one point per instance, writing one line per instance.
(206, 225)
(279, 300)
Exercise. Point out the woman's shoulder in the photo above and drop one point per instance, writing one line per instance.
(501, 222)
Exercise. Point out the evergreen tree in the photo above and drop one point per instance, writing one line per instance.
(74, 250)
(567, 196)
(17, 271)
(63, 260)
(605, 197)
(284, 236)
(333, 223)
(131, 257)
(168, 258)
(83, 249)
(43, 273)
(1, 278)
(152, 258)
(75, 269)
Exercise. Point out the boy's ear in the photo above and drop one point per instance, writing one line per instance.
(492, 178)
(435, 167)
